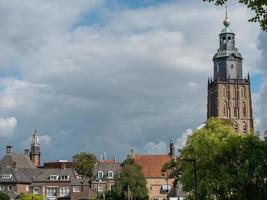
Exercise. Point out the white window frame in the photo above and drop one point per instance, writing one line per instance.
(76, 188)
(64, 178)
(100, 175)
(6, 176)
(100, 188)
(36, 190)
(53, 177)
(48, 194)
(64, 191)
(110, 173)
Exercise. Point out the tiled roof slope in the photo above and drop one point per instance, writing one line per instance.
(152, 164)
(45, 173)
(19, 175)
(107, 166)
(21, 161)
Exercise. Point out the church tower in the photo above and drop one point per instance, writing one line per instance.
(229, 94)
(35, 153)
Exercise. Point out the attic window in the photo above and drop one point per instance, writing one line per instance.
(53, 177)
(100, 175)
(6, 176)
(110, 174)
(64, 178)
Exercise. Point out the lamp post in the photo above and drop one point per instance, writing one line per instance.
(191, 160)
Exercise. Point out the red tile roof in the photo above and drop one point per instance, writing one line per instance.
(152, 164)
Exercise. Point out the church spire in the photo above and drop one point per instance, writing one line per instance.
(35, 153)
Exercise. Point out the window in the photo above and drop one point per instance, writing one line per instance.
(229, 39)
(100, 175)
(6, 176)
(51, 191)
(235, 127)
(224, 92)
(27, 188)
(100, 188)
(165, 189)
(244, 109)
(245, 128)
(76, 189)
(110, 174)
(234, 93)
(243, 92)
(36, 190)
(232, 66)
(53, 177)
(63, 178)
(9, 188)
(1, 188)
(235, 111)
(225, 109)
(64, 191)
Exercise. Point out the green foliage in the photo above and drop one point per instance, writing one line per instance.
(229, 166)
(84, 164)
(4, 196)
(23, 196)
(259, 7)
(131, 184)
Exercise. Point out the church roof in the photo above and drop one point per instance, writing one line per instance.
(152, 164)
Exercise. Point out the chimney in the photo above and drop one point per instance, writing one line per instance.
(8, 149)
(26, 152)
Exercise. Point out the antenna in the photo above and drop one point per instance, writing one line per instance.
(226, 10)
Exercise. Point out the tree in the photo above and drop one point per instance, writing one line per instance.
(4, 196)
(131, 184)
(229, 166)
(23, 196)
(84, 164)
(259, 7)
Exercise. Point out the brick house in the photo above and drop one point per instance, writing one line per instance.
(105, 174)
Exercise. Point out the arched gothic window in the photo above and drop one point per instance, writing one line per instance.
(224, 92)
(235, 126)
(234, 92)
(225, 109)
(244, 109)
(243, 92)
(245, 128)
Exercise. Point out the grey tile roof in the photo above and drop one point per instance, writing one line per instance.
(45, 173)
(106, 167)
(21, 161)
(19, 175)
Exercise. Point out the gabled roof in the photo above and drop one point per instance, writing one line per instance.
(152, 164)
(45, 173)
(107, 166)
(19, 175)
(20, 161)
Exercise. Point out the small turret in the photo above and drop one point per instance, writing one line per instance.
(35, 154)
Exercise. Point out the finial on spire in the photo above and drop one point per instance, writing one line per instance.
(226, 21)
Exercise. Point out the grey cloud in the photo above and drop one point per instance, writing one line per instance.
(135, 82)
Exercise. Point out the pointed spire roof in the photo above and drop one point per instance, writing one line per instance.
(226, 22)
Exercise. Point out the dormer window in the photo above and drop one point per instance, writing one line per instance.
(65, 178)
(100, 175)
(6, 176)
(53, 177)
(110, 174)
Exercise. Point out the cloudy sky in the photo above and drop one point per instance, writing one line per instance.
(114, 75)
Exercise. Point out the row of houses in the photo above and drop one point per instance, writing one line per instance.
(22, 173)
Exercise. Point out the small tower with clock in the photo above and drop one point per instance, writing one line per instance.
(35, 154)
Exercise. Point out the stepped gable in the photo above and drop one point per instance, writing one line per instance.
(152, 164)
